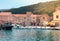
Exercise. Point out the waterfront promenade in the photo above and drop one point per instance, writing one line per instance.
(37, 27)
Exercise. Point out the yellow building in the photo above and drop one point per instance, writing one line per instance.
(56, 16)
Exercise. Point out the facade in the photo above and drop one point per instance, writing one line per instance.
(5, 17)
(56, 16)
(31, 19)
(44, 19)
(24, 19)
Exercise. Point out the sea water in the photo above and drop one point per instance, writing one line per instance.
(29, 35)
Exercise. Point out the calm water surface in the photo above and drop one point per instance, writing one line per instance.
(30, 35)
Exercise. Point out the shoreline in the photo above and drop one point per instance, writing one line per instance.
(39, 27)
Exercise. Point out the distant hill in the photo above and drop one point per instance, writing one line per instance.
(40, 8)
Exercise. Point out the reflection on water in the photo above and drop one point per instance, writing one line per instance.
(30, 35)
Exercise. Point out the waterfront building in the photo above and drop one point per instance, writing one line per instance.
(56, 16)
(5, 17)
(24, 19)
(44, 19)
(32, 19)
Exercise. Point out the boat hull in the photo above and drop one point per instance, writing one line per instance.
(7, 28)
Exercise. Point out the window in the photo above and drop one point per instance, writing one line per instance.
(43, 17)
(33, 17)
(24, 17)
(58, 8)
(57, 16)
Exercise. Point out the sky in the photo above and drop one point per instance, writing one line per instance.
(8, 4)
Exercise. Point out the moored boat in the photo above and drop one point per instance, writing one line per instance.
(7, 26)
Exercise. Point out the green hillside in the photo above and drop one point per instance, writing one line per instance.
(40, 8)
